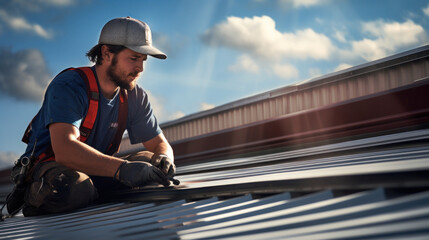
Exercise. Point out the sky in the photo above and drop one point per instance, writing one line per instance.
(218, 51)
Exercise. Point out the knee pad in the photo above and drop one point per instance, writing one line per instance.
(61, 189)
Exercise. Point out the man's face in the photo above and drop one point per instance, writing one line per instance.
(125, 68)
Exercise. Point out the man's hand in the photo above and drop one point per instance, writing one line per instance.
(160, 145)
(161, 161)
(137, 174)
(164, 163)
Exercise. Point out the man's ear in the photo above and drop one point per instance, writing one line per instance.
(106, 54)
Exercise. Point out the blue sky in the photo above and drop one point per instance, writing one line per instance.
(218, 50)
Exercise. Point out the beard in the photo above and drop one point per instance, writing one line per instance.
(120, 80)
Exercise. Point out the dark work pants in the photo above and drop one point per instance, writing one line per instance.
(56, 188)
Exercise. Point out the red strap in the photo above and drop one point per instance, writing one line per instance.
(46, 156)
(93, 96)
(89, 120)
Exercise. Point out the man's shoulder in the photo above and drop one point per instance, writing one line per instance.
(67, 81)
(138, 93)
(70, 79)
(68, 76)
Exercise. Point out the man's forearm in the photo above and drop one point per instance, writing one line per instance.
(164, 148)
(72, 153)
(159, 145)
(81, 157)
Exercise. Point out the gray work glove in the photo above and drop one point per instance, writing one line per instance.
(164, 163)
(137, 174)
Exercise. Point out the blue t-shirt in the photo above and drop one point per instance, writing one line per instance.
(66, 101)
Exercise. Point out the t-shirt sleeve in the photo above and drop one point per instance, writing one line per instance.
(65, 100)
(142, 124)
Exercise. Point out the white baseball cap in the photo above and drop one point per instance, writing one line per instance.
(131, 33)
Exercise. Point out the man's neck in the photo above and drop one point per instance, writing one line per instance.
(108, 87)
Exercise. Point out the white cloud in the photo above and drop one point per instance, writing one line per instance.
(319, 20)
(426, 10)
(258, 36)
(175, 115)
(340, 36)
(314, 72)
(21, 24)
(39, 5)
(206, 106)
(23, 74)
(245, 63)
(302, 3)
(161, 114)
(60, 3)
(342, 67)
(285, 71)
(387, 37)
(157, 106)
(7, 159)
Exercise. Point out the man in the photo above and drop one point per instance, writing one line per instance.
(69, 173)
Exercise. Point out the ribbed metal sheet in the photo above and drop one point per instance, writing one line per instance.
(379, 142)
(321, 215)
(358, 193)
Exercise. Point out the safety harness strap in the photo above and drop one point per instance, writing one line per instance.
(89, 120)
(93, 97)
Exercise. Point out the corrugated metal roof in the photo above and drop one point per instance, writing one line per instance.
(321, 215)
(344, 191)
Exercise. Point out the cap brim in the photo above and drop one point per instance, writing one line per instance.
(148, 50)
